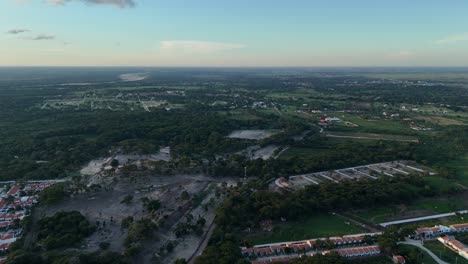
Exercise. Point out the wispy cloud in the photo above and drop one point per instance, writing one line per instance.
(17, 31)
(117, 3)
(453, 39)
(42, 37)
(197, 46)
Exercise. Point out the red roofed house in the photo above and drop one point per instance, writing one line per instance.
(358, 251)
(455, 246)
(432, 231)
(399, 259)
(14, 191)
(460, 227)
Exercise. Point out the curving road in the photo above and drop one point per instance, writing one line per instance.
(418, 244)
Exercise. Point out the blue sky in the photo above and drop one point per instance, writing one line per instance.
(233, 33)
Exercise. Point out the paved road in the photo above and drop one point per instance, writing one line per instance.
(203, 244)
(418, 244)
(281, 152)
(422, 218)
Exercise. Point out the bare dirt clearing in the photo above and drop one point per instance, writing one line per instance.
(251, 134)
(103, 206)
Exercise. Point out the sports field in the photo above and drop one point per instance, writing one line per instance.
(313, 227)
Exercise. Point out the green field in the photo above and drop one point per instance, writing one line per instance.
(438, 206)
(444, 253)
(461, 169)
(380, 126)
(372, 136)
(377, 215)
(428, 206)
(313, 227)
(415, 253)
(442, 185)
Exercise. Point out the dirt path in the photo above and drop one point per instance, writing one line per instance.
(366, 225)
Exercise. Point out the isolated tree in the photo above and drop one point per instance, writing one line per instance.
(127, 199)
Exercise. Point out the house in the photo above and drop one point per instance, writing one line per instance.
(399, 259)
(464, 254)
(455, 246)
(358, 251)
(262, 251)
(14, 191)
(300, 247)
(4, 247)
(279, 249)
(460, 227)
(261, 261)
(432, 231)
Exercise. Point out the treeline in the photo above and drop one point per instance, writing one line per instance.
(247, 208)
(55, 240)
(47, 144)
(341, 155)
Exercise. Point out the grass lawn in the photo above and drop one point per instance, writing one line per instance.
(444, 253)
(377, 215)
(305, 153)
(441, 185)
(376, 126)
(313, 227)
(461, 167)
(374, 136)
(430, 206)
(438, 206)
(371, 260)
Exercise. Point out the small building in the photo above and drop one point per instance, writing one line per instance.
(455, 245)
(399, 259)
(460, 227)
(424, 232)
(332, 119)
(358, 251)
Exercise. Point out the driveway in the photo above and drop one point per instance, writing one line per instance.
(418, 244)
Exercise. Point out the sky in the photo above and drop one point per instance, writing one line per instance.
(233, 33)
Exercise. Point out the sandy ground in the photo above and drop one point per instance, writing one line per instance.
(97, 166)
(251, 134)
(105, 206)
(257, 152)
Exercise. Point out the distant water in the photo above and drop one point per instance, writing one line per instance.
(133, 77)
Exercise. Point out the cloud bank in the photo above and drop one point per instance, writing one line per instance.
(453, 39)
